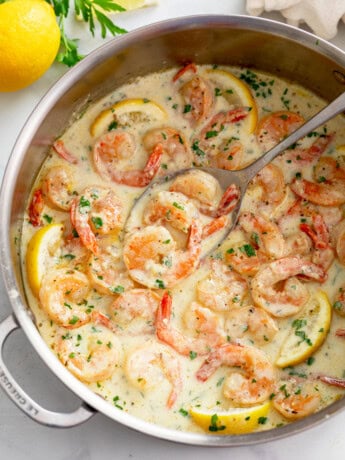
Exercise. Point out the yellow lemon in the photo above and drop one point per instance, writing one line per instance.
(238, 420)
(29, 42)
(127, 112)
(308, 331)
(236, 92)
(41, 248)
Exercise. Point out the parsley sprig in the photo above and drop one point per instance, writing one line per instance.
(91, 12)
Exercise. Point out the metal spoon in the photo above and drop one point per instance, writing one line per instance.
(241, 178)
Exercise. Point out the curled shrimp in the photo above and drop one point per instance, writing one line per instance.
(107, 272)
(197, 94)
(214, 140)
(92, 359)
(57, 187)
(274, 127)
(204, 323)
(201, 187)
(327, 193)
(171, 207)
(250, 321)
(135, 305)
(115, 146)
(222, 288)
(61, 295)
(272, 181)
(150, 365)
(268, 293)
(296, 400)
(152, 259)
(264, 234)
(251, 386)
(96, 211)
(180, 342)
(244, 258)
(323, 254)
(176, 153)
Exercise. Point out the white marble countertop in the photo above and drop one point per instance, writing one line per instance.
(101, 438)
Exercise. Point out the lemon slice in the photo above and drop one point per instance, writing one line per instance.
(308, 331)
(126, 113)
(239, 420)
(128, 5)
(40, 249)
(236, 92)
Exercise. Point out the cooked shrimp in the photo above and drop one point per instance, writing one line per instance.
(36, 207)
(296, 400)
(150, 365)
(152, 259)
(264, 234)
(323, 254)
(327, 193)
(201, 187)
(304, 156)
(275, 127)
(266, 287)
(214, 138)
(107, 273)
(333, 381)
(96, 211)
(204, 323)
(60, 149)
(339, 301)
(176, 153)
(272, 181)
(328, 168)
(244, 258)
(183, 344)
(171, 207)
(222, 288)
(251, 386)
(91, 360)
(57, 187)
(115, 146)
(61, 295)
(197, 94)
(135, 305)
(250, 321)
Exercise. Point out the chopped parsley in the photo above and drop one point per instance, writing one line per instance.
(193, 354)
(117, 289)
(215, 426)
(248, 250)
(97, 222)
(187, 108)
(160, 284)
(197, 150)
(113, 125)
(210, 134)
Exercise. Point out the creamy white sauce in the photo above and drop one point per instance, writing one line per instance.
(273, 94)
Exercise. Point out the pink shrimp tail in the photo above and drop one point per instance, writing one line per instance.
(340, 333)
(163, 315)
(229, 200)
(236, 115)
(189, 66)
(61, 150)
(85, 234)
(36, 208)
(319, 235)
(144, 177)
(214, 360)
(215, 226)
(333, 381)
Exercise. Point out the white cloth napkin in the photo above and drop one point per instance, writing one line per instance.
(322, 16)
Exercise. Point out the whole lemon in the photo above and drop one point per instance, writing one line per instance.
(29, 42)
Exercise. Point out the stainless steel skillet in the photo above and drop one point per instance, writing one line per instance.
(223, 40)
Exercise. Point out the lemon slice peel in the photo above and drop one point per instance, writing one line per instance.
(39, 250)
(308, 331)
(106, 119)
(240, 420)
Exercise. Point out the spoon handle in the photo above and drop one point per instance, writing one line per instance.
(330, 111)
